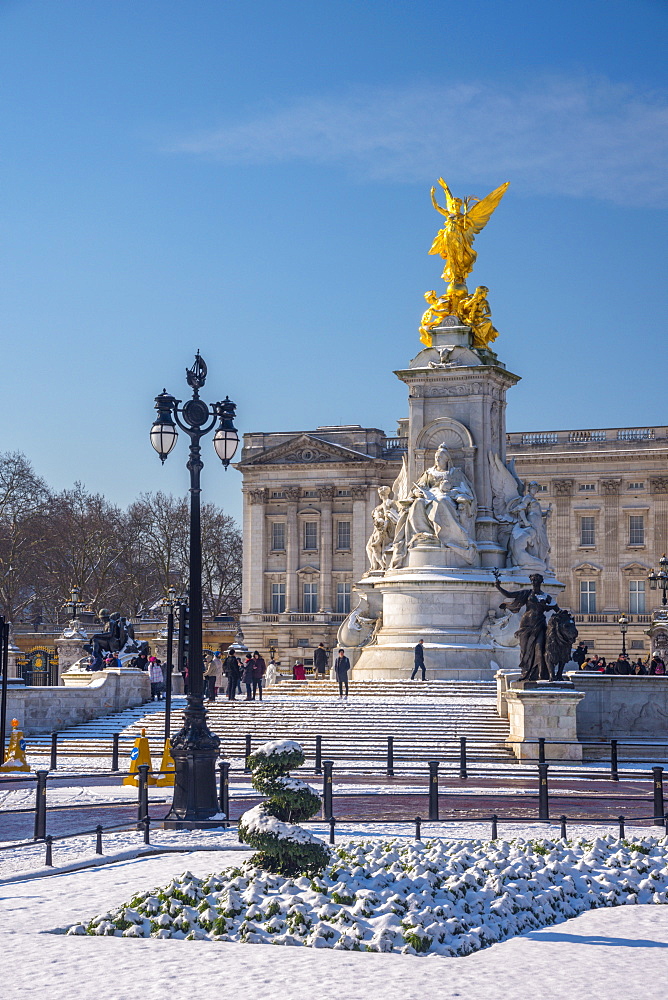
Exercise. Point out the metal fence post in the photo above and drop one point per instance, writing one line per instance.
(657, 776)
(224, 788)
(327, 811)
(98, 839)
(54, 752)
(462, 758)
(541, 750)
(495, 828)
(40, 806)
(562, 820)
(390, 756)
(146, 824)
(48, 860)
(418, 825)
(543, 802)
(142, 807)
(621, 827)
(433, 789)
(614, 772)
(247, 753)
(332, 823)
(114, 752)
(318, 755)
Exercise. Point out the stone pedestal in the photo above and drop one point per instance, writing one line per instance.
(543, 711)
(70, 649)
(504, 678)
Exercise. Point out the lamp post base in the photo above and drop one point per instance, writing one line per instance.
(195, 751)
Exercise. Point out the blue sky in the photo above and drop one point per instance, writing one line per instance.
(252, 179)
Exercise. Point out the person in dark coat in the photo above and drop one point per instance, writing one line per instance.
(231, 671)
(247, 676)
(622, 666)
(320, 662)
(341, 668)
(259, 670)
(580, 654)
(418, 660)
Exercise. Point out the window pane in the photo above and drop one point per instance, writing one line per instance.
(637, 597)
(343, 535)
(277, 598)
(278, 535)
(311, 535)
(587, 597)
(310, 598)
(587, 531)
(636, 529)
(343, 598)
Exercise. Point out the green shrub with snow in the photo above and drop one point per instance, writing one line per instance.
(269, 828)
(445, 898)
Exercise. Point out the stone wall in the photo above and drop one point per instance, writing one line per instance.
(619, 708)
(51, 709)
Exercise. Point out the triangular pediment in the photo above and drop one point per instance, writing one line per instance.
(585, 568)
(305, 449)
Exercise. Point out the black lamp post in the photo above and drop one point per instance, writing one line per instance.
(660, 580)
(194, 747)
(623, 628)
(74, 605)
(168, 603)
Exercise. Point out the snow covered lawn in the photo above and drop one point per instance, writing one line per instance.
(607, 953)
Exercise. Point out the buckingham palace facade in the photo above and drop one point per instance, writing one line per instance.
(308, 498)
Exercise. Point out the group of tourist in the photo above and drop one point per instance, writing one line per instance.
(230, 673)
(623, 665)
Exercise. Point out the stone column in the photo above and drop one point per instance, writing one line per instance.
(659, 491)
(611, 542)
(292, 552)
(254, 564)
(559, 532)
(326, 494)
(361, 530)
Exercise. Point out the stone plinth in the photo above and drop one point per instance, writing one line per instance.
(504, 678)
(551, 714)
(50, 709)
(69, 649)
(621, 707)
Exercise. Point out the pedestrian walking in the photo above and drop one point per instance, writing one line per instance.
(247, 676)
(231, 672)
(155, 676)
(320, 662)
(341, 668)
(259, 670)
(418, 660)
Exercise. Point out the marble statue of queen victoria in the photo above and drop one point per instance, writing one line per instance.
(439, 510)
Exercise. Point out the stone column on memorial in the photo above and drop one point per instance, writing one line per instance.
(292, 551)
(326, 494)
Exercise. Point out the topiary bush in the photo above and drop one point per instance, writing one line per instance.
(282, 847)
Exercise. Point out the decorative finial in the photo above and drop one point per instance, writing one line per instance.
(196, 376)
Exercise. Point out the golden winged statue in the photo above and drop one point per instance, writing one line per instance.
(464, 219)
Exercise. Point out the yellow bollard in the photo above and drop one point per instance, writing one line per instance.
(16, 753)
(166, 765)
(140, 754)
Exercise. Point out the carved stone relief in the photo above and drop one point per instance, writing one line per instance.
(563, 487)
(257, 496)
(610, 487)
(658, 485)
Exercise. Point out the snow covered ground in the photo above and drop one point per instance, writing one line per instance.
(612, 953)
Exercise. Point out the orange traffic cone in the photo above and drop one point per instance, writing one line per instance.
(140, 754)
(16, 753)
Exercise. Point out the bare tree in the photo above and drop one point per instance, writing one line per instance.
(23, 497)
(221, 562)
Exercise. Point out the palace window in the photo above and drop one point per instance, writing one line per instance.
(343, 535)
(278, 494)
(636, 529)
(637, 597)
(636, 486)
(587, 597)
(587, 487)
(277, 598)
(343, 598)
(310, 494)
(311, 535)
(344, 493)
(310, 598)
(587, 530)
(278, 536)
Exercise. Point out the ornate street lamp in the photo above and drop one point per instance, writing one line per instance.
(74, 604)
(623, 628)
(194, 747)
(660, 580)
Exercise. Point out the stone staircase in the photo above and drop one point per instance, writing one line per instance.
(425, 720)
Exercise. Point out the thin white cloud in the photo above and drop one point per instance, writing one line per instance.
(588, 138)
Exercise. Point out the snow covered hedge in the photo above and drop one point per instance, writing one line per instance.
(281, 846)
(446, 897)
